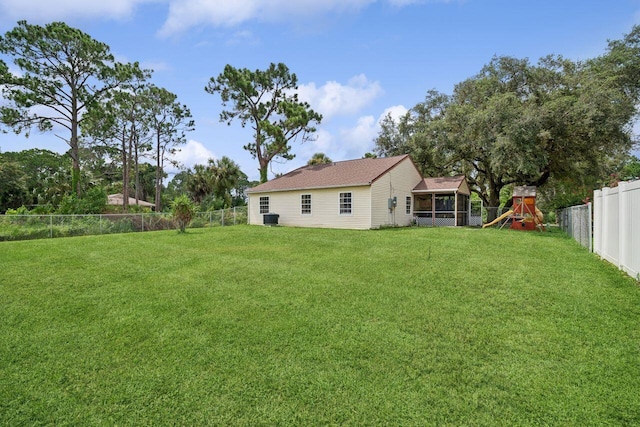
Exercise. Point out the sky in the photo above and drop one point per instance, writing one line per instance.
(355, 60)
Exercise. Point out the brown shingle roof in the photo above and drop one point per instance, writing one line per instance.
(441, 184)
(118, 200)
(348, 173)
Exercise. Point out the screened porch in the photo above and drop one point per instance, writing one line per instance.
(442, 202)
(441, 209)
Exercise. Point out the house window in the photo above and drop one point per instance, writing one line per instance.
(345, 203)
(305, 204)
(408, 205)
(264, 204)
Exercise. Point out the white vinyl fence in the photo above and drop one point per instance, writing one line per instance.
(616, 226)
(576, 222)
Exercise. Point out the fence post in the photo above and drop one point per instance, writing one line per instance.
(623, 219)
(597, 222)
(605, 220)
(234, 215)
(590, 222)
(51, 226)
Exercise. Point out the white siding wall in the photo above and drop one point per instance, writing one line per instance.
(253, 209)
(398, 182)
(325, 208)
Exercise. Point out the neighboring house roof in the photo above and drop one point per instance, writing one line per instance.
(348, 173)
(118, 200)
(446, 184)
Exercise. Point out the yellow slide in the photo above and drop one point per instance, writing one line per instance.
(540, 219)
(497, 220)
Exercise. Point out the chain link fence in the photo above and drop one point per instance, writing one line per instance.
(576, 221)
(26, 227)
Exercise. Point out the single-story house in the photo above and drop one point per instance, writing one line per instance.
(118, 200)
(360, 194)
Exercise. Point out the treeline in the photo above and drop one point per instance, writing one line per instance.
(39, 181)
(121, 129)
(110, 114)
(564, 126)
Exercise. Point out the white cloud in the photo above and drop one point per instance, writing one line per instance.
(323, 143)
(184, 14)
(190, 154)
(396, 112)
(346, 144)
(357, 140)
(242, 37)
(400, 3)
(44, 11)
(334, 99)
(156, 66)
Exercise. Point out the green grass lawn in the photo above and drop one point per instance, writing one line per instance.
(283, 326)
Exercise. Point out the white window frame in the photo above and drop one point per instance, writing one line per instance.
(345, 203)
(408, 205)
(264, 205)
(305, 204)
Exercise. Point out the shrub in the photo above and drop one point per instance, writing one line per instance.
(22, 210)
(183, 211)
(94, 201)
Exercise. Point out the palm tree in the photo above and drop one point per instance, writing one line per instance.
(200, 184)
(225, 175)
(319, 159)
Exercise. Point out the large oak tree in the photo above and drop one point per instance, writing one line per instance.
(521, 123)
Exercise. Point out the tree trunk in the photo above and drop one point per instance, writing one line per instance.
(494, 199)
(137, 171)
(263, 174)
(125, 174)
(75, 172)
(264, 168)
(159, 157)
(75, 151)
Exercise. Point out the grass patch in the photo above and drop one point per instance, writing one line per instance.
(283, 326)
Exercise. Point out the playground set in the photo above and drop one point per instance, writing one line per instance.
(524, 215)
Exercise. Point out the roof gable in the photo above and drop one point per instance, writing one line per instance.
(348, 173)
(442, 184)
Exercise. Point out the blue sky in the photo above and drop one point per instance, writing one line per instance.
(356, 60)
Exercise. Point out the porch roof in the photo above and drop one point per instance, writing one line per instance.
(445, 184)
